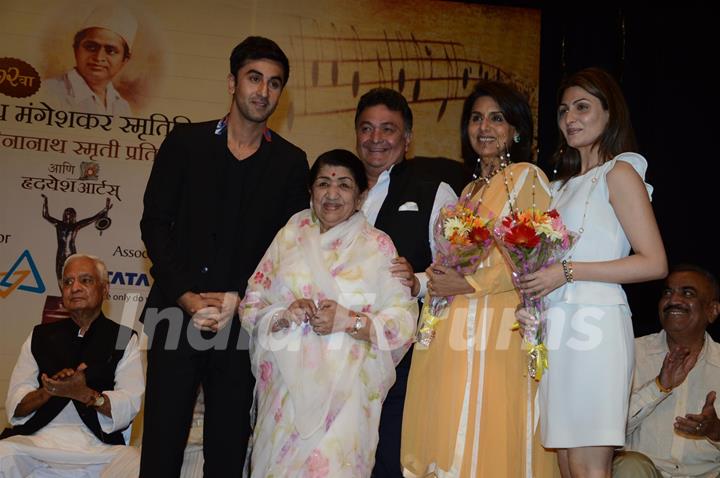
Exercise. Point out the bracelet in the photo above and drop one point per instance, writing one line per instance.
(568, 271)
(660, 387)
(357, 325)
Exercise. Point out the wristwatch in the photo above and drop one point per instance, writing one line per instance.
(358, 323)
(99, 401)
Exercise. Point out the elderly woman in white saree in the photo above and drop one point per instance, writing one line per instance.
(328, 324)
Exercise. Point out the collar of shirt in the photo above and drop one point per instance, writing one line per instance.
(221, 127)
(81, 91)
(710, 348)
(376, 196)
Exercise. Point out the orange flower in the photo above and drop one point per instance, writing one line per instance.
(479, 234)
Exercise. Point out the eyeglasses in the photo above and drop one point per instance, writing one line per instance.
(85, 281)
(93, 47)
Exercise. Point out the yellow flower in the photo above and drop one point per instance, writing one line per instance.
(454, 225)
(547, 230)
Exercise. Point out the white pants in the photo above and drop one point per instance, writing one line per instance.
(18, 459)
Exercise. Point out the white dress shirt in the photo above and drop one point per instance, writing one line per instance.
(652, 413)
(374, 201)
(69, 92)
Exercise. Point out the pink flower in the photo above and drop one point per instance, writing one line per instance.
(305, 222)
(385, 245)
(391, 331)
(287, 446)
(336, 244)
(366, 309)
(267, 282)
(258, 277)
(307, 291)
(316, 466)
(278, 415)
(266, 266)
(266, 370)
(329, 419)
(355, 352)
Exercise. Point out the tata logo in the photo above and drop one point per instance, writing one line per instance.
(137, 279)
(22, 275)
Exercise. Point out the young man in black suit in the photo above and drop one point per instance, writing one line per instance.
(217, 194)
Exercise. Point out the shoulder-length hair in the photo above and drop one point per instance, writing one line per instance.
(515, 109)
(618, 136)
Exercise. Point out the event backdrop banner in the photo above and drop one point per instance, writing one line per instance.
(73, 175)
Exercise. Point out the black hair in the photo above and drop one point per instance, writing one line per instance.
(391, 99)
(515, 109)
(258, 48)
(344, 158)
(618, 136)
(706, 274)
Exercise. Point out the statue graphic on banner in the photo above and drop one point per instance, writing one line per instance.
(68, 227)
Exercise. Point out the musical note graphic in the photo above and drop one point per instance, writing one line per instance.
(343, 59)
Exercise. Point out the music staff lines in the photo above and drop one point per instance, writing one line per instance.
(377, 40)
(423, 59)
(352, 110)
(381, 83)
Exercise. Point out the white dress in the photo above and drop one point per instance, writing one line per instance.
(583, 396)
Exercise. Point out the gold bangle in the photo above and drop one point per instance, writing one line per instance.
(660, 387)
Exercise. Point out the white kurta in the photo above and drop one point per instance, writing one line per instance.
(652, 412)
(69, 92)
(65, 445)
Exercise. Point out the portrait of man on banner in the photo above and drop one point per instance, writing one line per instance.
(102, 48)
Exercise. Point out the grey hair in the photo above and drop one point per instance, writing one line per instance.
(100, 266)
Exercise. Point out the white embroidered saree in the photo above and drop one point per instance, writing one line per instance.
(319, 398)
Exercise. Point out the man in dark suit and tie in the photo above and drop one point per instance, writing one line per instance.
(404, 200)
(218, 193)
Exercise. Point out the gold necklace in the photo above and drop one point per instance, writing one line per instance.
(483, 183)
(555, 197)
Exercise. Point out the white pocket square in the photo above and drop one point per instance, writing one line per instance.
(409, 206)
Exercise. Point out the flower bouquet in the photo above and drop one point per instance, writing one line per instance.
(531, 240)
(462, 240)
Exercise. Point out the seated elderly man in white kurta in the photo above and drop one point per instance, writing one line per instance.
(76, 387)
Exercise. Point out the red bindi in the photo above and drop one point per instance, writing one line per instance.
(332, 174)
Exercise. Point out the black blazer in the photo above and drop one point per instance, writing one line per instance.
(183, 205)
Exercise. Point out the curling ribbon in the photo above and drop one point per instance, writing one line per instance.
(538, 355)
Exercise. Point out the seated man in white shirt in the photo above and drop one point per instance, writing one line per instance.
(673, 416)
(76, 387)
(102, 48)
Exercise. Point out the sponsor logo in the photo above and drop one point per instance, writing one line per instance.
(134, 279)
(89, 170)
(127, 252)
(21, 276)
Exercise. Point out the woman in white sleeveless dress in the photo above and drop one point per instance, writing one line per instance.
(601, 194)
